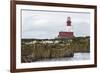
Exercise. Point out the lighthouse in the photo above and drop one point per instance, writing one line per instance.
(68, 33)
(68, 24)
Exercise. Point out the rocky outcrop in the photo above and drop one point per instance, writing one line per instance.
(48, 51)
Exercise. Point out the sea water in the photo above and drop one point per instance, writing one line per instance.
(76, 57)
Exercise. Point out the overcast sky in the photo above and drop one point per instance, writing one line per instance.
(48, 24)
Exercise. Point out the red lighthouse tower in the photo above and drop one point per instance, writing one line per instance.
(69, 33)
(68, 21)
(69, 26)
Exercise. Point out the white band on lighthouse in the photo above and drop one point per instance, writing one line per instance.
(69, 28)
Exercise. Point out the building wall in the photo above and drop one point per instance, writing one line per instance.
(66, 34)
